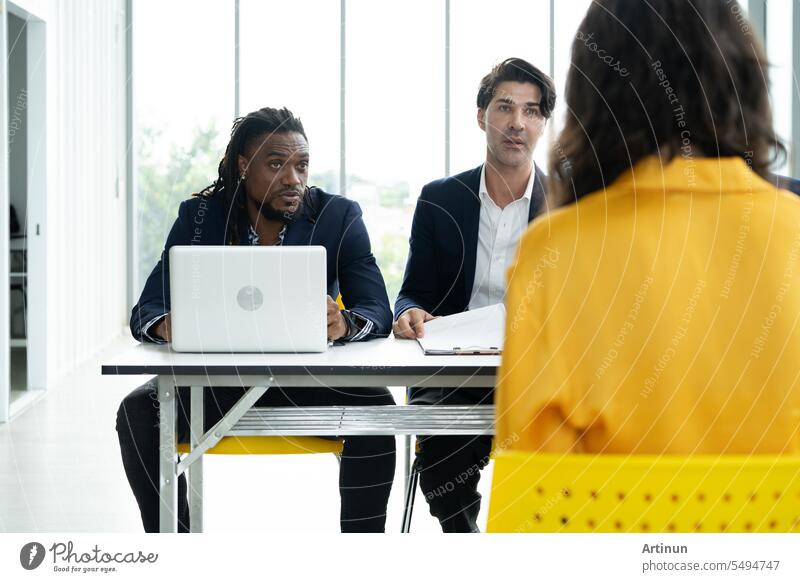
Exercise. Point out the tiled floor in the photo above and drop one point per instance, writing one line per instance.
(60, 471)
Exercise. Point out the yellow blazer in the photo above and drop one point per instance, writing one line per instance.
(661, 314)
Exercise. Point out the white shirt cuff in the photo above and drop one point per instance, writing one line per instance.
(148, 325)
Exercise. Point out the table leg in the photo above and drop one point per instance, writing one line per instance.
(167, 467)
(196, 469)
(406, 457)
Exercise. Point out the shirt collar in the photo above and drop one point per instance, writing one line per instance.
(253, 239)
(484, 192)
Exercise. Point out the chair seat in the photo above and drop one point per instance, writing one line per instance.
(641, 493)
(271, 445)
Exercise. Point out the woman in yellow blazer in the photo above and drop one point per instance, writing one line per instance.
(658, 308)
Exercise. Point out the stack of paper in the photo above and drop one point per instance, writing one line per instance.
(479, 331)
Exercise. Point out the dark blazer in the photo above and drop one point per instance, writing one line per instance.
(440, 270)
(326, 219)
(787, 183)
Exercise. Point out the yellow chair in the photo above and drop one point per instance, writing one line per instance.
(271, 445)
(254, 445)
(641, 493)
(266, 445)
(274, 445)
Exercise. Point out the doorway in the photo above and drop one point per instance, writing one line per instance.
(26, 188)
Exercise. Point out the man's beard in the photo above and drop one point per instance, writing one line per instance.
(283, 216)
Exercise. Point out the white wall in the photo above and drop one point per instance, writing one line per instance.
(4, 329)
(85, 214)
(80, 152)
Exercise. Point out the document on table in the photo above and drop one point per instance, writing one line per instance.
(475, 332)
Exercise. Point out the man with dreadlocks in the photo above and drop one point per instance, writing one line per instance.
(260, 198)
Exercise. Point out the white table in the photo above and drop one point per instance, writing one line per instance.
(382, 362)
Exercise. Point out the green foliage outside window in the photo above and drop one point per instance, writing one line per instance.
(164, 180)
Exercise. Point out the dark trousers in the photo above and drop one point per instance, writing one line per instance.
(367, 462)
(450, 466)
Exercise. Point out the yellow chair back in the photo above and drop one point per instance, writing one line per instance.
(640, 493)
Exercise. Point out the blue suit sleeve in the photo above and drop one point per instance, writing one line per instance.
(419, 287)
(360, 281)
(154, 300)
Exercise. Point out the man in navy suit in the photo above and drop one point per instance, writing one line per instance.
(260, 198)
(463, 238)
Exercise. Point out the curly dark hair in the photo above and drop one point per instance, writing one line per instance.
(246, 130)
(661, 77)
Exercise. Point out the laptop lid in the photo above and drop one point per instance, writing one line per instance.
(248, 298)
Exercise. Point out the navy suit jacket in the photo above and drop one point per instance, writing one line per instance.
(440, 270)
(325, 219)
(787, 183)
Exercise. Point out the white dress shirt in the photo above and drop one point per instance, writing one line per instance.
(499, 231)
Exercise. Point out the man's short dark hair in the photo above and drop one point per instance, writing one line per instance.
(523, 72)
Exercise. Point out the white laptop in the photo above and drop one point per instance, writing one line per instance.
(248, 299)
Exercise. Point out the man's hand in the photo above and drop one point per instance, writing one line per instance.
(337, 326)
(163, 328)
(410, 325)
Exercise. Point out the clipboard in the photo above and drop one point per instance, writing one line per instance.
(466, 351)
(479, 332)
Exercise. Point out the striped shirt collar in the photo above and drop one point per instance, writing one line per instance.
(253, 238)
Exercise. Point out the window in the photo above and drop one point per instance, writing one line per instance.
(394, 97)
(289, 59)
(565, 30)
(183, 108)
(483, 35)
(779, 52)
(395, 105)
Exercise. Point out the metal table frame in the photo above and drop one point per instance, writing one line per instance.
(183, 370)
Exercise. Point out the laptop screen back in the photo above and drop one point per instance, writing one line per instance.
(248, 299)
